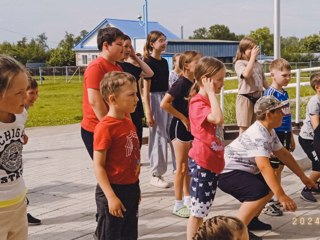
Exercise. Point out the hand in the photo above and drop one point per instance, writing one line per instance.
(133, 53)
(287, 203)
(150, 119)
(116, 207)
(208, 85)
(25, 139)
(186, 123)
(255, 52)
(308, 182)
(292, 146)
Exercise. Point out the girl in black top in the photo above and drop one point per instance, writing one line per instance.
(139, 69)
(175, 102)
(157, 119)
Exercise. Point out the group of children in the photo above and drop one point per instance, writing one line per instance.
(185, 112)
(249, 168)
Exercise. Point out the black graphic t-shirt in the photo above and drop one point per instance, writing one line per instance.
(12, 186)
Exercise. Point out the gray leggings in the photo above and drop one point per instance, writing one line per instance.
(159, 137)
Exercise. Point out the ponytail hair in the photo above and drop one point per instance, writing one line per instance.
(206, 67)
(152, 37)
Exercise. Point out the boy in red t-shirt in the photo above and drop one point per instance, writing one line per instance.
(110, 41)
(116, 160)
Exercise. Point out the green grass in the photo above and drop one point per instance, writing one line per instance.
(59, 103)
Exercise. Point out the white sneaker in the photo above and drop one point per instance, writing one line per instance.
(159, 182)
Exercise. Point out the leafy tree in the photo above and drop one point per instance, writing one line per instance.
(24, 51)
(63, 54)
(263, 38)
(311, 43)
(221, 32)
(200, 33)
(217, 31)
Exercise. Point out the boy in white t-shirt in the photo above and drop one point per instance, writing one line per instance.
(308, 135)
(248, 175)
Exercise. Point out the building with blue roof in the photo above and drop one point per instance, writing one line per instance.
(86, 50)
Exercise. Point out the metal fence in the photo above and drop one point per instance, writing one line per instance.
(76, 73)
(68, 73)
(297, 85)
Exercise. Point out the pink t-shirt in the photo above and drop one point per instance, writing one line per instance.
(207, 148)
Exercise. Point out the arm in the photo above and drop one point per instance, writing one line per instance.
(116, 207)
(271, 179)
(247, 73)
(216, 115)
(97, 103)
(166, 104)
(147, 103)
(286, 157)
(146, 70)
(314, 121)
(292, 143)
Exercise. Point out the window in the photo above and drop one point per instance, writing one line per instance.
(94, 57)
(84, 59)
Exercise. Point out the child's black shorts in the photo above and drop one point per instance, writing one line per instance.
(285, 139)
(244, 186)
(178, 131)
(308, 148)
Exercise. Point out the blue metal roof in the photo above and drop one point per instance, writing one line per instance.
(129, 27)
(215, 48)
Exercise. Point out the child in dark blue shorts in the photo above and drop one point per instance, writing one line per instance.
(206, 154)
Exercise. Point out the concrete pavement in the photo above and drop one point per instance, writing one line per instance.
(59, 175)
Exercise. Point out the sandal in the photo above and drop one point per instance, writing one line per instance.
(183, 212)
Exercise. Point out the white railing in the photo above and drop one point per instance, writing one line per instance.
(296, 85)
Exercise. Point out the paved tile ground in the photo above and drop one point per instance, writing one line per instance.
(61, 185)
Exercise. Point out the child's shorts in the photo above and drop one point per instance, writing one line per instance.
(285, 139)
(178, 131)
(203, 185)
(244, 111)
(244, 186)
(308, 148)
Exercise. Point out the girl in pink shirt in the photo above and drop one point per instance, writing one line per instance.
(206, 154)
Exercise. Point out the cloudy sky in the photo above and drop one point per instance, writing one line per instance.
(29, 18)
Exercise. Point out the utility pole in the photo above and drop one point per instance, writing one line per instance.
(276, 35)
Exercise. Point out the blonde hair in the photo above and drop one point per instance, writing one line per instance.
(315, 80)
(280, 64)
(187, 57)
(152, 37)
(206, 67)
(9, 69)
(244, 44)
(221, 227)
(113, 81)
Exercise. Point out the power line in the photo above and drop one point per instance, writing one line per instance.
(24, 35)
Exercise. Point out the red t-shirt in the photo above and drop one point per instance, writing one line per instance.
(119, 138)
(92, 78)
(207, 148)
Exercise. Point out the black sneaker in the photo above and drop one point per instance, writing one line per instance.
(257, 225)
(307, 195)
(32, 220)
(253, 236)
